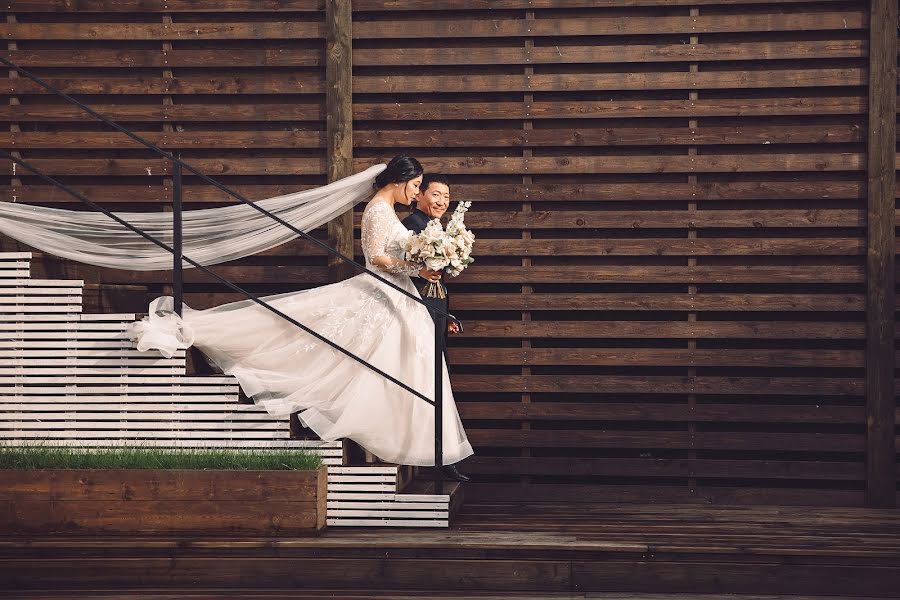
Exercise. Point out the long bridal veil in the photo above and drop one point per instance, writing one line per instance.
(210, 236)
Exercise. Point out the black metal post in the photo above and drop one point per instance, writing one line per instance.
(439, 328)
(177, 277)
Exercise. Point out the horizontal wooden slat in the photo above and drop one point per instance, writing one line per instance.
(296, 83)
(75, 426)
(642, 274)
(83, 371)
(142, 433)
(658, 357)
(63, 385)
(581, 192)
(445, 28)
(31, 309)
(162, 112)
(69, 347)
(660, 412)
(664, 467)
(462, 138)
(616, 109)
(386, 522)
(597, 136)
(273, 30)
(9, 301)
(310, 166)
(665, 329)
(165, 6)
(646, 301)
(175, 443)
(175, 139)
(127, 58)
(42, 283)
(674, 247)
(311, 83)
(424, 5)
(755, 441)
(569, 82)
(659, 384)
(15, 359)
(574, 54)
(123, 353)
(133, 409)
(631, 25)
(186, 382)
(781, 218)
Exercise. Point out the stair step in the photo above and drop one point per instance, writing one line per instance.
(43, 283)
(367, 496)
(16, 256)
(328, 594)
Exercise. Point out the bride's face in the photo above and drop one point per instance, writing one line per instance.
(405, 192)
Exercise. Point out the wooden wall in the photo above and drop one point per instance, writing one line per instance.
(669, 297)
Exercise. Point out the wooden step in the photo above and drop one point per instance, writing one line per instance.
(673, 558)
(368, 496)
(423, 485)
(329, 594)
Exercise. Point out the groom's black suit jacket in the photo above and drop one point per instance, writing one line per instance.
(416, 222)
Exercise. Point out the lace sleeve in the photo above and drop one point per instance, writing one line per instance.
(377, 224)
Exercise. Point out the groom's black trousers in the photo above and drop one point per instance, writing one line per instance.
(443, 304)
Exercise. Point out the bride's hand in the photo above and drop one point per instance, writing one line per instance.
(430, 275)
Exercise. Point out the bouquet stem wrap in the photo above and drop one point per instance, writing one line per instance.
(433, 289)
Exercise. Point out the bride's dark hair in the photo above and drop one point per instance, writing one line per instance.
(401, 168)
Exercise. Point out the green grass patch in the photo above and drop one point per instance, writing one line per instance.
(136, 457)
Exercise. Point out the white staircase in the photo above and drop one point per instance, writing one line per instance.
(369, 497)
(68, 378)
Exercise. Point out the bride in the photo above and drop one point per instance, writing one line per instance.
(288, 370)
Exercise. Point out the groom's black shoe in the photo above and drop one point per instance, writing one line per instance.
(453, 473)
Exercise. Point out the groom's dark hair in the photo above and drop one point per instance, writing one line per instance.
(430, 178)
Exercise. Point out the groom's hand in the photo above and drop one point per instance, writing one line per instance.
(430, 275)
(453, 328)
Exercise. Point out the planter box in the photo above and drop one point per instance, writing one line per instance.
(289, 503)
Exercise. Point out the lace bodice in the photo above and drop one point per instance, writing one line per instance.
(383, 238)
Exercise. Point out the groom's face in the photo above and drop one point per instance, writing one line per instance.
(435, 200)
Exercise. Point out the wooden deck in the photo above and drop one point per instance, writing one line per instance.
(555, 551)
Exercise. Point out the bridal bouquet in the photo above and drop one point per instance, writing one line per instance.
(449, 250)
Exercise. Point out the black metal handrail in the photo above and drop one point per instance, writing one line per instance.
(438, 315)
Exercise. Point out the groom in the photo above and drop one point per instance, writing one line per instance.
(431, 203)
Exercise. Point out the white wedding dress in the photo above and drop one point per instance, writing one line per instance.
(288, 370)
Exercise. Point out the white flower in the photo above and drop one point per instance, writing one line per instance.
(436, 264)
(439, 249)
